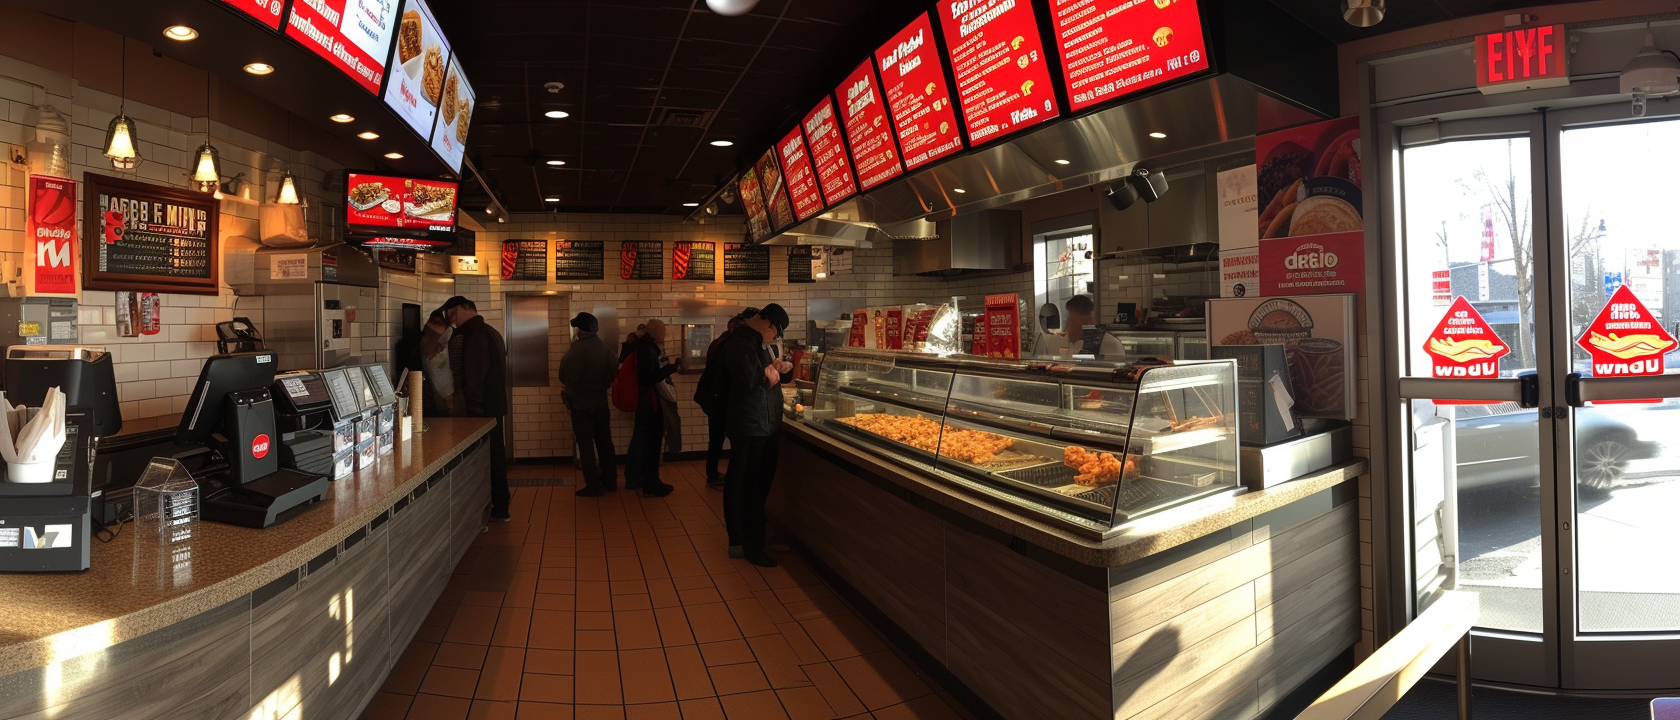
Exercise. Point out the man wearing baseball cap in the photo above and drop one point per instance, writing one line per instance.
(586, 376)
(752, 382)
(478, 357)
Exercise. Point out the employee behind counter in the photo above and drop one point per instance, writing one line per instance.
(1082, 337)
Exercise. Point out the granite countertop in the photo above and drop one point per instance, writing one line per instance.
(132, 588)
(1129, 543)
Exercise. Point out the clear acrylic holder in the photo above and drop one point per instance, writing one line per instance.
(166, 501)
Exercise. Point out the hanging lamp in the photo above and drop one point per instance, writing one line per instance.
(288, 191)
(207, 168)
(121, 140)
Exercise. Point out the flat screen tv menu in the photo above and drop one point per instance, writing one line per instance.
(865, 119)
(752, 200)
(579, 260)
(828, 154)
(354, 35)
(266, 12)
(774, 189)
(918, 96)
(801, 180)
(417, 84)
(1113, 48)
(997, 56)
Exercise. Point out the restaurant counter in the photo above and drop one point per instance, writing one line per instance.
(316, 609)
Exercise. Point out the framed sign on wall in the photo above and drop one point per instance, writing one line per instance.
(136, 235)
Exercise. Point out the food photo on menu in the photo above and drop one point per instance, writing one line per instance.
(385, 201)
(421, 53)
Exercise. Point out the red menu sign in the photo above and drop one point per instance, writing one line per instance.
(774, 189)
(1463, 345)
(917, 95)
(895, 328)
(860, 322)
(865, 120)
(1113, 48)
(998, 58)
(266, 12)
(1003, 326)
(801, 181)
(828, 153)
(354, 35)
(752, 199)
(378, 203)
(1624, 340)
(1522, 59)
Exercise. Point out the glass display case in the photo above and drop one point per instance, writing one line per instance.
(1095, 444)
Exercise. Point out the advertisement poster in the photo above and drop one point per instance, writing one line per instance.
(1239, 205)
(455, 107)
(52, 226)
(860, 323)
(873, 150)
(417, 84)
(895, 328)
(353, 35)
(1463, 346)
(1440, 288)
(801, 179)
(828, 154)
(997, 56)
(1239, 272)
(1625, 340)
(376, 203)
(1003, 326)
(920, 100)
(694, 261)
(1113, 48)
(1314, 265)
(1309, 181)
(774, 191)
(266, 12)
(752, 200)
(1318, 334)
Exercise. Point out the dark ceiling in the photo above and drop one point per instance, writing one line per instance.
(1325, 16)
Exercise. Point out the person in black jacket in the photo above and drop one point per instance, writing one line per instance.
(586, 376)
(478, 358)
(642, 461)
(712, 399)
(754, 390)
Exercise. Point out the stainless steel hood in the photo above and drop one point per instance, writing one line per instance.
(966, 243)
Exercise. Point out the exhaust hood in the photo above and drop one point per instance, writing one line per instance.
(965, 243)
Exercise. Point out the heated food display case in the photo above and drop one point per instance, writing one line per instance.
(1093, 444)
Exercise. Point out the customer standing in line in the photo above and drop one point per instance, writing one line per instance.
(478, 356)
(586, 376)
(432, 360)
(754, 389)
(642, 461)
(710, 394)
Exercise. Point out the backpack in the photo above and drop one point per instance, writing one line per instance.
(627, 387)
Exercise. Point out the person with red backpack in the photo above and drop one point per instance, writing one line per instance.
(641, 371)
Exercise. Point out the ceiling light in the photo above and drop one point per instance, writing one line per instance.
(1157, 135)
(551, 199)
(1064, 162)
(958, 190)
(368, 135)
(288, 191)
(722, 143)
(556, 163)
(489, 209)
(558, 114)
(691, 204)
(180, 33)
(259, 68)
(341, 118)
(501, 219)
(731, 7)
(1363, 13)
(394, 155)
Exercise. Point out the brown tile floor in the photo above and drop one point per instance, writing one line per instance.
(629, 608)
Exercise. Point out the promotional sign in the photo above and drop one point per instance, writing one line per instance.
(1440, 287)
(801, 179)
(580, 260)
(1114, 48)
(266, 12)
(1003, 326)
(1319, 340)
(865, 119)
(52, 227)
(641, 260)
(1463, 346)
(773, 188)
(1625, 340)
(1522, 59)
(1645, 277)
(998, 58)
(752, 199)
(860, 322)
(1239, 272)
(924, 321)
(694, 261)
(138, 235)
(417, 83)
(455, 108)
(381, 203)
(918, 96)
(525, 260)
(1309, 179)
(1316, 265)
(895, 328)
(1239, 205)
(979, 340)
(353, 35)
(828, 153)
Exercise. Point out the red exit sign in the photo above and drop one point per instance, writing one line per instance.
(1522, 59)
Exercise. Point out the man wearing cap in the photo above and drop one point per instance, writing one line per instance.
(478, 357)
(711, 394)
(753, 385)
(586, 377)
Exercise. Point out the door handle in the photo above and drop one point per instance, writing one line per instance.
(1572, 390)
(1578, 390)
(1530, 390)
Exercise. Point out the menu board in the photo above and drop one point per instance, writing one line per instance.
(694, 261)
(865, 120)
(1113, 48)
(801, 180)
(799, 264)
(140, 236)
(266, 12)
(746, 263)
(997, 55)
(828, 154)
(353, 35)
(774, 189)
(380, 204)
(580, 260)
(455, 109)
(752, 198)
(918, 96)
(641, 260)
(525, 260)
(417, 81)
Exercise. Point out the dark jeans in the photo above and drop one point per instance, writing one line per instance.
(715, 435)
(752, 465)
(500, 497)
(641, 464)
(593, 429)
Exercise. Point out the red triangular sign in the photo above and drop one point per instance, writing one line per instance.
(1624, 340)
(1463, 346)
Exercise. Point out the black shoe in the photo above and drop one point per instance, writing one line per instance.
(759, 558)
(715, 480)
(501, 518)
(658, 490)
(590, 491)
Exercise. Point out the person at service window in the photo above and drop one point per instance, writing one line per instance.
(710, 395)
(754, 378)
(1081, 316)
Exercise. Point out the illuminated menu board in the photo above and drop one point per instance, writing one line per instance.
(917, 95)
(774, 191)
(266, 12)
(380, 204)
(997, 55)
(752, 198)
(1113, 48)
(828, 154)
(865, 119)
(801, 180)
(354, 35)
(455, 108)
(417, 82)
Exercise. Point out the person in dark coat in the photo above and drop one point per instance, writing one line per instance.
(754, 390)
(586, 377)
(478, 359)
(642, 461)
(709, 395)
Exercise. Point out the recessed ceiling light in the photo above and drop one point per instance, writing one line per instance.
(394, 155)
(1157, 135)
(722, 143)
(551, 199)
(691, 204)
(341, 118)
(557, 163)
(259, 68)
(1064, 162)
(368, 135)
(958, 190)
(558, 114)
(180, 32)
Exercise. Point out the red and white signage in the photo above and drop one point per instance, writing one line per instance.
(895, 328)
(455, 114)
(752, 200)
(860, 324)
(1440, 287)
(918, 96)
(416, 85)
(353, 35)
(1463, 346)
(378, 203)
(266, 12)
(1625, 340)
(259, 446)
(1114, 48)
(52, 228)
(1003, 326)
(1313, 265)
(865, 119)
(510, 260)
(828, 153)
(1522, 59)
(801, 179)
(773, 186)
(998, 58)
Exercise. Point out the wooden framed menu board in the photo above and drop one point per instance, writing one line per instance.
(138, 236)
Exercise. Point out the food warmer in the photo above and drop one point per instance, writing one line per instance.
(1090, 445)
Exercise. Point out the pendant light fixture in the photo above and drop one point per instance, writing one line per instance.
(288, 190)
(207, 168)
(121, 141)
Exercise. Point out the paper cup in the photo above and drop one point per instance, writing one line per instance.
(35, 472)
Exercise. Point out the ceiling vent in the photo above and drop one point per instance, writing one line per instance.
(682, 117)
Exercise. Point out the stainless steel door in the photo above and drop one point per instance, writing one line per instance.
(527, 339)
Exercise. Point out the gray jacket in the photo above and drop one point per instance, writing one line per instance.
(587, 373)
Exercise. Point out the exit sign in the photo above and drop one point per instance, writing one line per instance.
(1522, 59)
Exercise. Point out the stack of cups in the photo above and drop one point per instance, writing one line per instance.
(416, 400)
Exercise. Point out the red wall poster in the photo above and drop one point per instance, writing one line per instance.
(918, 96)
(997, 56)
(1317, 265)
(52, 226)
(1113, 48)
(865, 120)
(1463, 345)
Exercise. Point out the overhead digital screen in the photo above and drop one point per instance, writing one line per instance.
(266, 12)
(801, 179)
(752, 198)
(774, 189)
(354, 35)
(381, 204)
(455, 109)
(997, 56)
(865, 118)
(918, 96)
(1113, 48)
(420, 64)
(828, 154)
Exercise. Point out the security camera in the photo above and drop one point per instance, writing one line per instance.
(1142, 183)
(1122, 195)
(1651, 73)
(554, 87)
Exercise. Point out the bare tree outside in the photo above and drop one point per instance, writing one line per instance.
(1513, 209)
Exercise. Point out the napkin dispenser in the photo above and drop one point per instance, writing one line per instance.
(45, 527)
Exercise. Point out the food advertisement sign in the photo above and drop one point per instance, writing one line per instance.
(752, 199)
(1239, 272)
(1114, 48)
(828, 153)
(455, 109)
(998, 58)
(417, 84)
(918, 96)
(1464, 347)
(895, 328)
(801, 179)
(382, 203)
(773, 187)
(1318, 334)
(1003, 326)
(354, 35)
(52, 230)
(1625, 340)
(1309, 180)
(266, 12)
(860, 323)
(1440, 287)
(865, 120)
(1313, 265)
